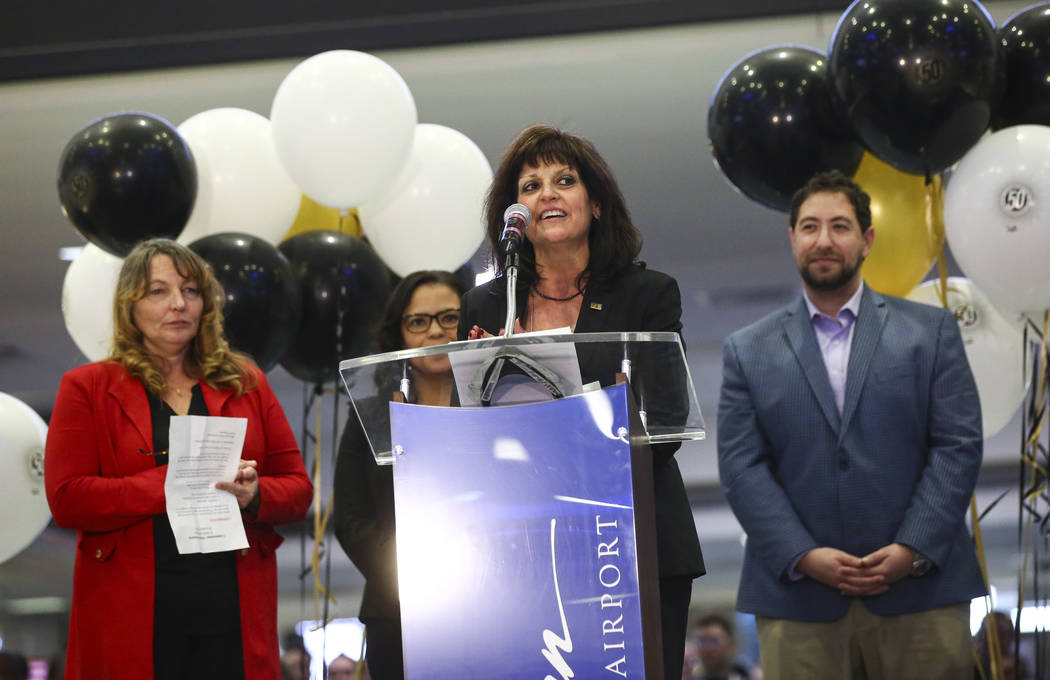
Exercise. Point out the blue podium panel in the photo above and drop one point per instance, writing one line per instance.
(516, 540)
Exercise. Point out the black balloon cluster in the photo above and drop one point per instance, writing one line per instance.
(261, 306)
(1025, 43)
(917, 78)
(309, 304)
(772, 124)
(125, 178)
(343, 287)
(914, 82)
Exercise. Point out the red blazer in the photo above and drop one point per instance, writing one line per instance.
(99, 483)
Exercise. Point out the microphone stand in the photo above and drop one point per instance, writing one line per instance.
(512, 299)
(483, 385)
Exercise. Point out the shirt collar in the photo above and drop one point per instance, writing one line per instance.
(853, 304)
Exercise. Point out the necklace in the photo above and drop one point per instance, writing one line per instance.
(178, 390)
(579, 292)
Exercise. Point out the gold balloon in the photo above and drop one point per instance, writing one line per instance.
(312, 216)
(908, 216)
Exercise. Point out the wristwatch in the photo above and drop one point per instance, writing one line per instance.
(920, 564)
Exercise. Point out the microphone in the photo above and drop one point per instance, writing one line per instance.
(516, 219)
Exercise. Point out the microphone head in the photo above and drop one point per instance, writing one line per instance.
(520, 211)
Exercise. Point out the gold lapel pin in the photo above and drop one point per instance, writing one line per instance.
(597, 306)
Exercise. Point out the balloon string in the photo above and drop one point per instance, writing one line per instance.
(1031, 452)
(1029, 457)
(320, 525)
(991, 631)
(350, 221)
(361, 654)
(935, 232)
(1033, 438)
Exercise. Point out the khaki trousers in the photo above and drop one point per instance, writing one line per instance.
(930, 645)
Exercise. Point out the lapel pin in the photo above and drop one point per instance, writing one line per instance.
(597, 306)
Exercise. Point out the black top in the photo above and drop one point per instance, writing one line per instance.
(364, 516)
(196, 592)
(638, 300)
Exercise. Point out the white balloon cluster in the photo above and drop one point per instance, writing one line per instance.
(241, 184)
(87, 300)
(997, 218)
(432, 211)
(23, 504)
(994, 348)
(345, 127)
(343, 131)
(997, 223)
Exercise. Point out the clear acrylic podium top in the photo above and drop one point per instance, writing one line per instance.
(659, 376)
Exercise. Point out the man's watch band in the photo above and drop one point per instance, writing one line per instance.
(920, 564)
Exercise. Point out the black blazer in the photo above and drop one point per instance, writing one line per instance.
(638, 300)
(363, 511)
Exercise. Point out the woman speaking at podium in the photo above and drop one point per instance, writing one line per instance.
(579, 269)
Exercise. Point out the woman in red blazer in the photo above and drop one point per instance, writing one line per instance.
(140, 609)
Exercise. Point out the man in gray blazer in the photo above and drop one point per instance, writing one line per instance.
(849, 442)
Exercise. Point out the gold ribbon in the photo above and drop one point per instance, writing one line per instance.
(320, 526)
(935, 232)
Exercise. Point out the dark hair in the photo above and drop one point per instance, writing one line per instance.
(716, 620)
(834, 182)
(613, 240)
(13, 666)
(388, 332)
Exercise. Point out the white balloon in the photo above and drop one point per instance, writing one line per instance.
(994, 346)
(23, 504)
(430, 217)
(241, 184)
(997, 217)
(343, 123)
(87, 300)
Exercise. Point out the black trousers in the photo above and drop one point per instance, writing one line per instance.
(675, 592)
(179, 656)
(383, 649)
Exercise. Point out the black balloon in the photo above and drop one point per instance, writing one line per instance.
(1025, 40)
(917, 78)
(772, 125)
(125, 178)
(343, 287)
(261, 308)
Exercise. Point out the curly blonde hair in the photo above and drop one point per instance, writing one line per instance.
(210, 357)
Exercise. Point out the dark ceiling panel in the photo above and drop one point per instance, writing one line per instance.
(42, 39)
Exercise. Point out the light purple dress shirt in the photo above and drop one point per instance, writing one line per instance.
(834, 336)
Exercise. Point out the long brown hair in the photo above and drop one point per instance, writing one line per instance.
(210, 357)
(613, 240)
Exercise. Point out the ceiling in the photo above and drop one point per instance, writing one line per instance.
(640, 95)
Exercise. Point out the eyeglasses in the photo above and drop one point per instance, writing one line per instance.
(420, 323)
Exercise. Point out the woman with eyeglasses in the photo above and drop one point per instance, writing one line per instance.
(423, 310)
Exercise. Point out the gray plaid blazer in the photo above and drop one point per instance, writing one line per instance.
(899, 464)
